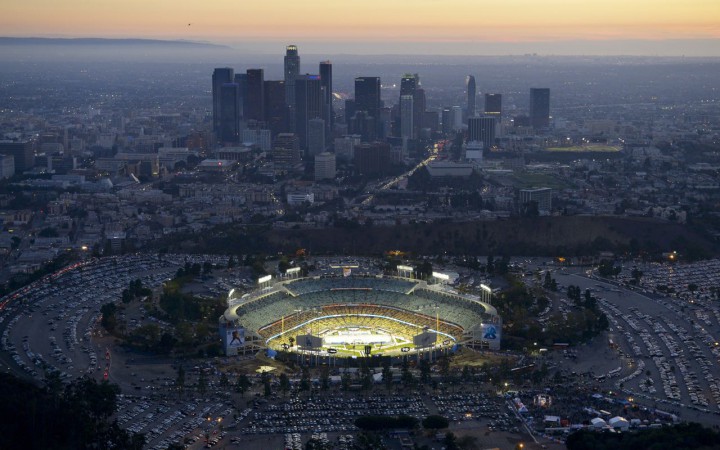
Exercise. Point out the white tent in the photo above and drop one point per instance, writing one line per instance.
(553, 419)
(598, 423)
(619, 422)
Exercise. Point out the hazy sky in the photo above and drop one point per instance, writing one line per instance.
(374, 23)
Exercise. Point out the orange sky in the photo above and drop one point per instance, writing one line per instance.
(364, 20)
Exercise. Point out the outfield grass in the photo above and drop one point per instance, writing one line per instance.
(586, 148)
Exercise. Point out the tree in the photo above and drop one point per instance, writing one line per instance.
(467, 442)
(424, 367)
(547, 284)
(224, 382)
(435, 422)
(207, 267)
(202, 383)
(444, 365)
(387, 376)
(243, 384)
(324, 378)
(450, 441)
(108, 320)
(465, 373)
(266, 385)
(406, 376)
(305, 379)
(284, 383)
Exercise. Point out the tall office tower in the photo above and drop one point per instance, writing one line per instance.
(327, 85)
(471, 94)
(364, 125)
(349, 109)
(418, 110)
(345, 147)
(406, 116)
(316, 136)
(408, 84)
(493, 105)
(482, 129)
(447, 120)
(259, 137)
(384, 123)
(241, 80)
(367, 101)
(367, 95)
(230, 114)
(308, 105)
(324, 166)
(23, 153)
(254, 101)
(220, 76)
(457, 117)
(276, 109)
(540, 107)
(286, 150)
(292, 70)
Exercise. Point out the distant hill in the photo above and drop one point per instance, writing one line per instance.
(541, 236)
(104, 42)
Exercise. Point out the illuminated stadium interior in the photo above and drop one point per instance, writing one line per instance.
(348, 313)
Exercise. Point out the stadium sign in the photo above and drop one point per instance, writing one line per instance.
(265, 279)
(441, 276)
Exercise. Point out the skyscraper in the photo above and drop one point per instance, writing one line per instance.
(418, 110)
(493, 104)
(482, 129)
(367, 100)
(471, 93)
(316, 136)
(447, 120)
(254, 102)
(326, 84)
(276, 109)
(456, 117)
(241, 80)
(367, 95)
(292, 70)
(286, 152)
(406, 116)
(230, 114)
(408, 87)
(540, 107)
(325, 166)
(408, 84)
(308, 105)
(220, 76)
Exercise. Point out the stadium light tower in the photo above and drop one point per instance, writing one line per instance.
(405, 271)
(486, 293)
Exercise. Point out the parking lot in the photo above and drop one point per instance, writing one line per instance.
(662, 353)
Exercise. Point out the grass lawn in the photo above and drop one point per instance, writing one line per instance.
(586, 148)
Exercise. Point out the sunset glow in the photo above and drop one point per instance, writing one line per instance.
(367, 20)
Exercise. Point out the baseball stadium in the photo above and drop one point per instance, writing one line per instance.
(354, 316)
